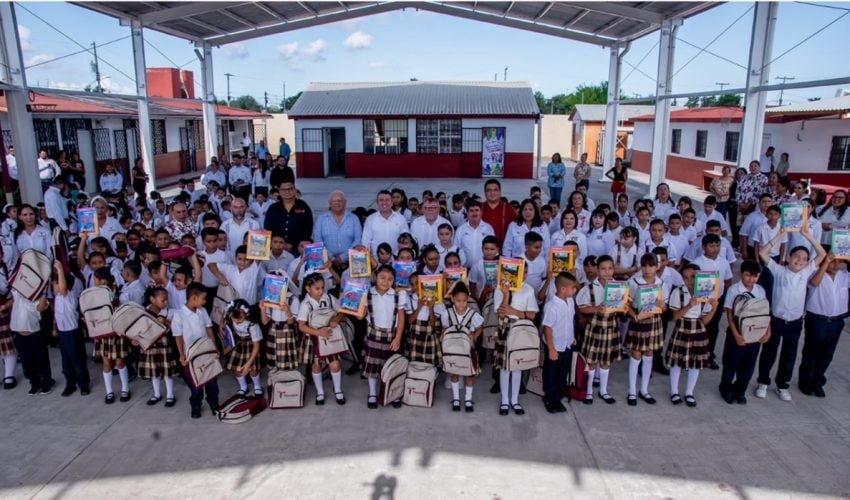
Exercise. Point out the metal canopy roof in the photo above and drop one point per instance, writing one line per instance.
(220, 23)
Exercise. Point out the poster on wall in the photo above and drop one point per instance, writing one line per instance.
(493, 152)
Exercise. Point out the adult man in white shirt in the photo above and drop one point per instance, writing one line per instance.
(237, 226)
(471, 234)
(214, 174)
(47, 168)
(767, 164)
(424, 229)
(56, 204)
(12, 165)
(246, 144)
(240, 179)
(384, 226)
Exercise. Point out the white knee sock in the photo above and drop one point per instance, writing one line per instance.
(633, 372)
(590, 376)
(9, 363)
(337, 378)
(516, 382)
(320, 386)
(456, 391)
(603, 380)
(157, 393)
(107, 381)
(675, 371)
(646, 374)
(169, 387)
(243, 383)
(468, 393)
(373, 387)
(693, 376)
(258, 384)
(504, 385)
(124, 375)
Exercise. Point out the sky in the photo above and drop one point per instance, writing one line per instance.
(414, 44)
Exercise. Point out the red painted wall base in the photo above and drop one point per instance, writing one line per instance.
(311, 165)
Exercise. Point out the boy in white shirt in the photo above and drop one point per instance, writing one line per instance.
(678, 240)
(658, 239)
(709, 213)
(710, 260)
(190, 323)
(211, 255)
(67, 315)
(764, 234)
(558, 328)
(244, 277)
(752, 222)
(134, 289)
(537, 264)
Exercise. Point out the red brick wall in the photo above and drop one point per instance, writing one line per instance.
(678, 169)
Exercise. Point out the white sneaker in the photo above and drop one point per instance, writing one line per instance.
(784, 394)
(761, 391)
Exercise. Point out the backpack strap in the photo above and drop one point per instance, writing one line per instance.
(592, 295)
(453, 320)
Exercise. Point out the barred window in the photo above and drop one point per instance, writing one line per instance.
(839, 154)
(385, 137)
(159, 145)
(439, 136)
(702, 143)
(730, 150)
(676, 143)
(312, 140)
(472, 140)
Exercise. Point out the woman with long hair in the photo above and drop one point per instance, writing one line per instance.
(528, 220)
(834, 216)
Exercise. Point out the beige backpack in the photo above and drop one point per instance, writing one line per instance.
(522, 347)
(132, 321)
(286, 389)
(392, 379)
(204, 365)
(419, 384)
(96, 306)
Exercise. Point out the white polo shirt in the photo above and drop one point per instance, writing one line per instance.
(719, 264)
(559, 238)
(764, 234)
(379, 229)
(382, 307)
(523, 300)
(739, 289)
(425, 233)
(236, 231)
(537, 270)
(470, 239)
(66, 312)
(789, 290)
(190, 325)
(470, 318)
(218, 257)
(751, 224)
(558, 314)
(830, 297)
(681, 297)
(245, 282)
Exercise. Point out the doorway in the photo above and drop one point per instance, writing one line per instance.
(335, 152)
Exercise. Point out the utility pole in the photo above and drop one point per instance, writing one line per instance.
(266, 101)
(284, 98)
(721, 85)
(96, 68)
(495, 77)
(506, 73)
(228, 75)
(782, 91)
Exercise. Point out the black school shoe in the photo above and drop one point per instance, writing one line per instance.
(397, 403)
(196, 412)
(10, 383)
(125, 396)
(169, 403)
(647, 398)
(110, 398)
(34, 389)
(818, 392)
(47, 388)
(631, 400)
(68, 391)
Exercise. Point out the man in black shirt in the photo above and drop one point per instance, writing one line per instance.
(290, 217)
(281, 173)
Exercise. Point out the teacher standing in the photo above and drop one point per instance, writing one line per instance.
(556, 171)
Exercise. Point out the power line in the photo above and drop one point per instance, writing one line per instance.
(730, 61)
(705, 49)
(813, 4)
(635, 68)
(639, 62)
(804, 40)
(74, 53)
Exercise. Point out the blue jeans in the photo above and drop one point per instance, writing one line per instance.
(555, 194)
(788, 334)
(74, 366)
(821, 338)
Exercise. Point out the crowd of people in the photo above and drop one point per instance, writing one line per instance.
(137, 253)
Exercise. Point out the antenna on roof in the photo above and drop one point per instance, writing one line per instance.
(506, 73)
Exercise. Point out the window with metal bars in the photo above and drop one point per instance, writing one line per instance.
(439, 136)
(839, 154)
(312, 140)
(385, 137)
(730, 149)
(102, 144)
(472, 140)
(69, 133)
(702, 143)
(676, 142)
(159, 144)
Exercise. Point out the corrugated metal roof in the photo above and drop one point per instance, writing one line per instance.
(838, 104)
(416, 99)
(596, 112)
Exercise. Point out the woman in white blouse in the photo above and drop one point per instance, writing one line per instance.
(834, 216)
(111, 180)
(578, 204)
(31, 234)
(260, 180)
(528, 220)
(569, 232)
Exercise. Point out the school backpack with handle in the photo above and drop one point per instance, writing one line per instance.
(392, 379)
(577, 379)
(239, 409)
(419, 384)
(286, 389)
(491, 325)
(134, 322)
(522, 347)
(753, 316)
(223, 296)
(32, 274)
(96, 305)
(457, 347)
(534, 385)
(348, 332)
(204, 365)
(332, 345)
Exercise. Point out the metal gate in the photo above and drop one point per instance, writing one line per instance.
(69, 128)
(187, 150)
(259, 134)
(122, 158)
(45, 136)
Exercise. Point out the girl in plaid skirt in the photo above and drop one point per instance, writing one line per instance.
(646, 334)
(159, 361)
(283, 345)
(600, 343)
(423, 344)
(7, 344)
(244, 358)
(688, 346)
(386, 327)
(313, 300)
(112, 349)
(461, 315)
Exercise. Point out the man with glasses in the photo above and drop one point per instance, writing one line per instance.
(424, 229)
(496, 211)
(291, 217)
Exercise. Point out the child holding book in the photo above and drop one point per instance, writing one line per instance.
(244, 358)
(422, 339)
(645, 333)
(601, 343)
(385, 316)
(313, 298)
(283, 343)
(479, 288)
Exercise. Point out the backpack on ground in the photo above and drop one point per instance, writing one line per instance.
(96, 306)
(419, 384)
(534, 385)
(286, 389)
(752, 315)
(577, 379)
(239, 409)
(491, 325)
(134, 322)
(204, 365)
(522, 347)
(223, 296)
(457, 347)
(32, 274)
(392, 379)
(324, 347)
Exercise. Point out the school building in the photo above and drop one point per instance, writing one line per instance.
(588, 130)
(416, 129)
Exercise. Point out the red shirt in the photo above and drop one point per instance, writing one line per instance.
(500, 218)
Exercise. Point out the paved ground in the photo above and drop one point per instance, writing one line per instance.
(79, 448)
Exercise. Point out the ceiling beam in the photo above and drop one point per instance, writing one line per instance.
(609, 25)
(510, 6)
(201, 24)
(190, 9)
(618, 9)
(238, 19)
(308, 8)
(578, 17)
(544, 11)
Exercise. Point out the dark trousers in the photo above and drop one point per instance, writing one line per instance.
(739, 363)
(74, 360)
(732, 207)
(243, 192)
(821, 338)
(788, 334)
(713, 329)
(555, 194)
(723, 208)
(35, 359)
(555, 376)
(209, 391)
(359, 340)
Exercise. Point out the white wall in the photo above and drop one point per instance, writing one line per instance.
(353, 131)
(557, 137)
(715, 145)
(807, 142)
(520, 133)
(642, 138)
(280, 126)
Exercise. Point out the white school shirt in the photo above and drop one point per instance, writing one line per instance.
(796, 239)
(681, 296)
(663, 210)
(259, 211)
(464, 262)
(40, 239)
(7, 239)
(260, 180)
(599, 242)
(703, 218)
(672, 254)
(218, 257)
(624, 257)
(514, 245)
(523, 300)
(239, 173)
(236, 231)
(56, 206)
(692, 232)
(831, 217)
(638, 280)
(111, 227)
(457, 218)
(247, 329)
(537, 270)
(726, 251)
(309, 304)
(244, 282)
(671, 279)
(382, 307)
(583, 297)
(327, 277)
(281, 262)
(473, 318)
(718, 264)
(739, 289)
(830, 297)
(279, 315)
(470, 239)
(559, 238)
(559, 314)
(425, 233)
(190, 325)
(132, 292)
(218, 177)
(378, 229)
(789, 290)
(626, 219)
(424, 313)
(582, 220)
(643, 232)
(176, 298)
(679, 242)
(765, 234)
(751, 224)
(66, 311)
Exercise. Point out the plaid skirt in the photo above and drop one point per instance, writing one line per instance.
(646, 335)
(283, 346)
(308, 357)
(160, 360)
(7, 344)
(500, 360)
(423, 343)
(601, 340)
(376, 350)
(240, 354)
(113, 347)
(688, 346)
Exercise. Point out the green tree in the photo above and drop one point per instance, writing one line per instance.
(290, 101)
(246, 102)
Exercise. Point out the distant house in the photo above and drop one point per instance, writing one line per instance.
(589, 129)
(416, 129)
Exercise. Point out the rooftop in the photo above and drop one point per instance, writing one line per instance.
(596, 112)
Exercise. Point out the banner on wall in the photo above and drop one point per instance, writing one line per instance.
(493, 152)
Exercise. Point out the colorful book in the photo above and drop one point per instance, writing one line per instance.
(403, 271)
(454, 276)
(647, 299)
(87, 221)
(706, 286)
(616, 296)
(511, 272)
(841, 243)
(314, 257)
(228, 341)
(359, 263)
(793, 216)
(491, 273)
(561, 259)
(352, 300)
(431, 287)
(274, 290)
(259, 245)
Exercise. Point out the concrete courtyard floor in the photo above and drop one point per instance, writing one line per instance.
(77, 447)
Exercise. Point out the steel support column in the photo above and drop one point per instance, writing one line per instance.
(663, 86)
(539, 144)
(207, 87)
(758, 73)
(20, 119)
(145, 135)
(609, 141)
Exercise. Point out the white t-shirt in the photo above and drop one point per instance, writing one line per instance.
(471, 319)
(681, 297)
(558, 315)
(830, 297)
(524, 300)
(190, 325)
(738, 289)
(789, 290)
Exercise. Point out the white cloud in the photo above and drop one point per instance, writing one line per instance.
(315, 50)
(236, 51)
(24, 34)
(38, 58)
(287, 51)
(358, 40)
(377, 64)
